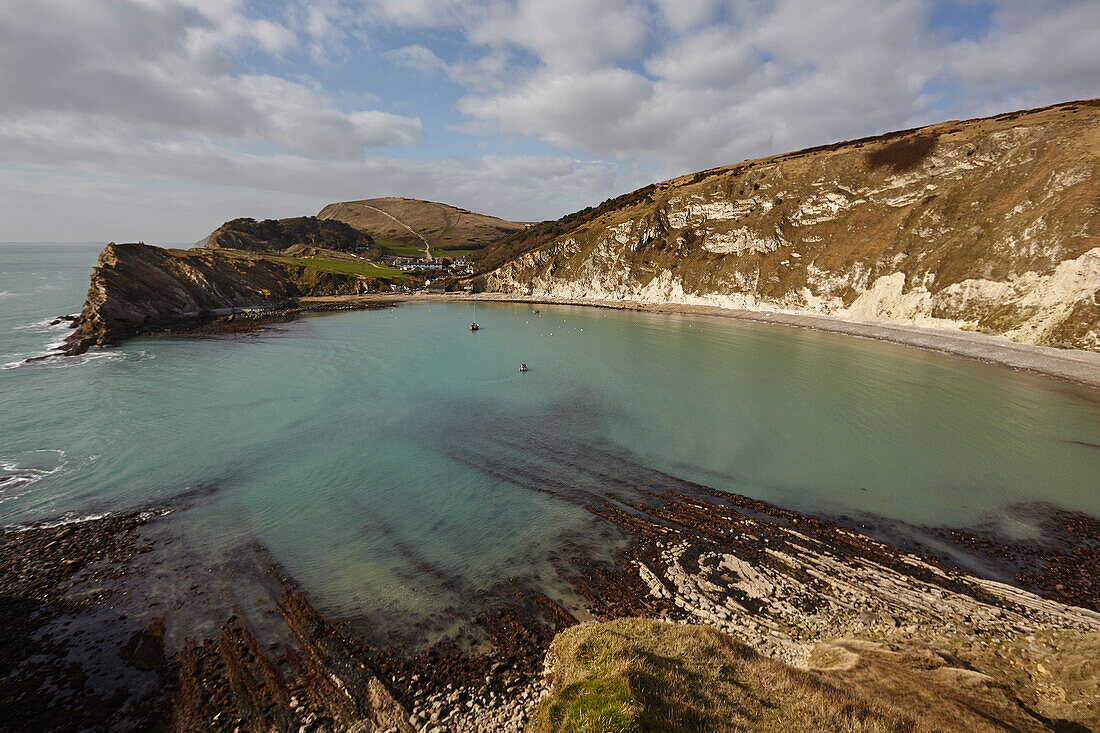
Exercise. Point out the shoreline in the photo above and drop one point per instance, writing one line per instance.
(1069, 365)
(779, 581)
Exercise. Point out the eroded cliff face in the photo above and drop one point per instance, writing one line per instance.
(990, 225)
(138, 288)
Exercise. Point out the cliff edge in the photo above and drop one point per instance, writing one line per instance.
(139, 288)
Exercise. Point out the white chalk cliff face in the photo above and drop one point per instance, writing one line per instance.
(990, 225)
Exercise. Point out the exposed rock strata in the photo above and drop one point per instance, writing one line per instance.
(137, 289)
(778, 580)
(990, 224)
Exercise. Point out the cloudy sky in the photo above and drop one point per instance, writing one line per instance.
(156, 120)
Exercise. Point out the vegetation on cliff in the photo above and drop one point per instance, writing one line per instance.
(277, 235)
(646, 675)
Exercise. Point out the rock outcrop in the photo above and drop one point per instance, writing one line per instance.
(990, 225)
(138, 288)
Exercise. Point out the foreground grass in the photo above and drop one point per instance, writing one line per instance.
(634, 675)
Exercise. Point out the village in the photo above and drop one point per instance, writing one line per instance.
(439, 270)
(442, 265)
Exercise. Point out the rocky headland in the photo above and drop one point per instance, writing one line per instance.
(139, 289)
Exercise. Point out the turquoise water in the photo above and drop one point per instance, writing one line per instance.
(393, 460)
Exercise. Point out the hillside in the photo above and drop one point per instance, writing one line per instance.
(990, 224)
(280, 235)
(418, 224)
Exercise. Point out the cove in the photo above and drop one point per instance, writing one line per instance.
(399, 465)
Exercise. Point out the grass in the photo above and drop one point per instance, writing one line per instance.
(345, 266)
(1054, 672)
(393, 248)
(332, 264)
(635, 675)
(443, 226)
(642, 675)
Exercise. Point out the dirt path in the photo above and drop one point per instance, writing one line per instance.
(427, 248)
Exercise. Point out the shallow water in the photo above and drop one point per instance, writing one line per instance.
(396, 463)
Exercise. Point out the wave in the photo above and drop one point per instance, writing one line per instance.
(53, 323)
(21, 471)
(55, 360)
(73, 518)
(68, 519)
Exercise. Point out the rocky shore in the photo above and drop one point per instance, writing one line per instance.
(81, 622)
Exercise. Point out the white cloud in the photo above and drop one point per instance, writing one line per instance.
(686, 15)
(780, 75)
(1039, 50)
(214, 99)
(160, 67)
(715, 57)
(589, 110)
(424, 13)
(568, 34)
(179, 192)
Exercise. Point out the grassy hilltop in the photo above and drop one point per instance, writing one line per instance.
(403, 226)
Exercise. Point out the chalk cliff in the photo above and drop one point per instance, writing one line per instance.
(990, 224)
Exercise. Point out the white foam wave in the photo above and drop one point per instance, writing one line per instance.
(63, 521)
(71, 518)
(60, 361)
(19, 472)
(46, 324)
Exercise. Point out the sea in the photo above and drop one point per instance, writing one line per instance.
(397, 464)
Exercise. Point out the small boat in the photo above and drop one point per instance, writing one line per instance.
(474, 327)
(523, 367)
(536, 310)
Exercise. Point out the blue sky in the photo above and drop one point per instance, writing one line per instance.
(156, 120)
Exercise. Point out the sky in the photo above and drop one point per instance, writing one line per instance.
(157, 120)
